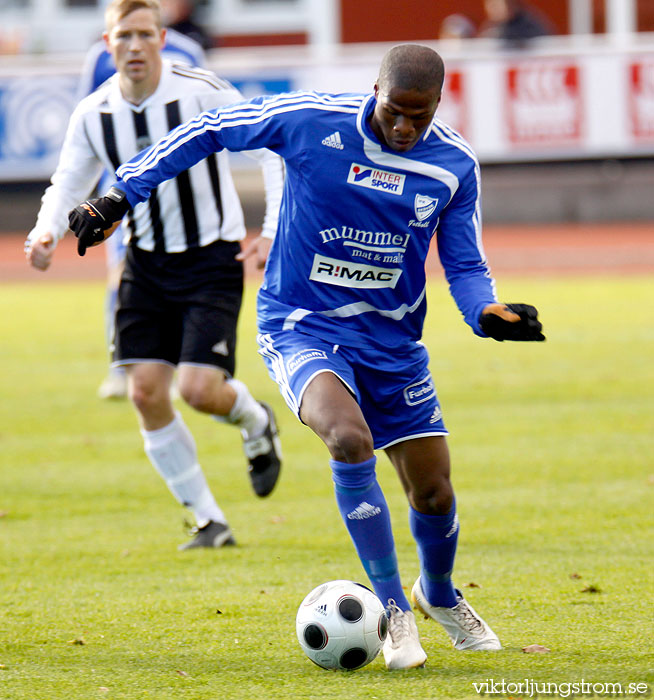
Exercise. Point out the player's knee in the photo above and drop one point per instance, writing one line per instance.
(432, 497)
(146, 396)
(197, 395)
(205, 390)
(350, 443)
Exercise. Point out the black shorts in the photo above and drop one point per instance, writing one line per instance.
(180, 307)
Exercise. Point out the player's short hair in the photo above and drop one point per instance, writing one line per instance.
(411, 67)
(118, 9)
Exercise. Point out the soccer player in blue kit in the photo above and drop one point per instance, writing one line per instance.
(370, 179)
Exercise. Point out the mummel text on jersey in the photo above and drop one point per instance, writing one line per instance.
(348, 261)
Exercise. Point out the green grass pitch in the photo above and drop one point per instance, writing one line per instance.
(552, 447)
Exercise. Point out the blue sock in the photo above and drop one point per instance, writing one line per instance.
(436, 537)
(366, 516)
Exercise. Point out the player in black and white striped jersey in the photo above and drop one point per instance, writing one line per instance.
(98, 67)
(180, 293)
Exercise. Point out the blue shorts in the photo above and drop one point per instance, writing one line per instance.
(395, 391)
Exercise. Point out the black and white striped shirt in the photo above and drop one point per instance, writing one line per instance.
(194, 209)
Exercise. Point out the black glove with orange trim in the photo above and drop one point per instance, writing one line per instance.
(94, 220)
(527, 327)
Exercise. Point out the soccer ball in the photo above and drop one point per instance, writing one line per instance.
(341, 625)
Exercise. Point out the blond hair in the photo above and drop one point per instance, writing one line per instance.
(118, 9)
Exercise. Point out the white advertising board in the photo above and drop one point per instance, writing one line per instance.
(594, 102)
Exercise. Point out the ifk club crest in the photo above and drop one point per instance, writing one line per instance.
(424, 206)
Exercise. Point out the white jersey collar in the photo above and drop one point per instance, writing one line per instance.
(374, 151)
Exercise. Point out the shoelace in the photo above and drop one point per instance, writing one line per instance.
(469, 621)
(398, 622)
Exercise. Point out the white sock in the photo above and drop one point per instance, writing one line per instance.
(247, 413)
(173, 454)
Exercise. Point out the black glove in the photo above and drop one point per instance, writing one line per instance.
(527, 328)
(90, 219)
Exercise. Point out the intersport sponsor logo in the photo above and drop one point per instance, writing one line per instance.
(375, 179)
(344, 273)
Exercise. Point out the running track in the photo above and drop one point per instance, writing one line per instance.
(524, 250)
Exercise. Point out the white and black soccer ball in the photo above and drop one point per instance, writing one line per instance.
(341, 625)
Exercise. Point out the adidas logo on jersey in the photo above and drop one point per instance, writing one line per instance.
(363, 511)
(333, 141)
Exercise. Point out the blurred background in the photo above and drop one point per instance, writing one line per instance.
(556, 96)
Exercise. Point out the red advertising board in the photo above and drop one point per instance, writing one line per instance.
(543, 103)
(641, 99)
(452, 109)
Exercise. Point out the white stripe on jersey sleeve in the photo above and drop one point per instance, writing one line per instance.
(241, 114)
(448, 135)
(253, 113)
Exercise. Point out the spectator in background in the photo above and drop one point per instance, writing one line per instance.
(513, 22)
(180, 16)
(99, 66)
(455, 27)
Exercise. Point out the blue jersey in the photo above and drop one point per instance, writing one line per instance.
(348, 261)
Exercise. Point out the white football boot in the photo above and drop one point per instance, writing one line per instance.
(464, 627)
(114, 386)
(402, 647)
